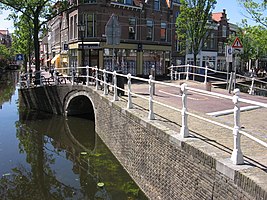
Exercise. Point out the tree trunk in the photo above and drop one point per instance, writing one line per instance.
(36, 43)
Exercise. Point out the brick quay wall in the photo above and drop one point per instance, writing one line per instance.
(163, 165)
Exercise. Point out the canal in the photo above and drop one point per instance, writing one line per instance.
(47, 157)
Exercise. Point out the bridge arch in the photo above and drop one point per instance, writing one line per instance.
(79, 104)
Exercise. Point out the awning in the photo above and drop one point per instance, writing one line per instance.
(57, 57)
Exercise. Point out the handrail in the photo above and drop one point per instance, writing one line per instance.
(99, 76)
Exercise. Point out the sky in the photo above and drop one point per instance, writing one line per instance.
(233, 10)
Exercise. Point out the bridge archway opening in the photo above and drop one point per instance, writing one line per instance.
(81, 106)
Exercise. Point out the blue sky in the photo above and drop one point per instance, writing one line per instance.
(235, 12)
(233, 9)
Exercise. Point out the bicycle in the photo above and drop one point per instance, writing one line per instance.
(60, 79)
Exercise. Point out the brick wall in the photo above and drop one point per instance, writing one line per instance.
(164, 166)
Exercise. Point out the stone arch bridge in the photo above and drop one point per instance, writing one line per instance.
(164, 166)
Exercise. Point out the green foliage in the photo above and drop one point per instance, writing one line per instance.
(6, 55)
(256, 10)
(193, 23)
(254, 40)
(35, 13)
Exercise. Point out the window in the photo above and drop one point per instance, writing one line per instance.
(127, 2)
(75, 27)
(163, 31)
(212, 41)
(89, 1)
(89, 20)
(157, 5)
(132, 28)
(149, 25)
(223, 31)
(71, 27)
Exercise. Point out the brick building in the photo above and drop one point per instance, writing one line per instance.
(79, 37)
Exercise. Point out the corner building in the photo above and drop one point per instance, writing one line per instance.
(147, 32)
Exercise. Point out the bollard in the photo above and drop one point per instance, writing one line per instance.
(87, 75)
(129, 103)
(237, 155)
(184, 132)
(151, 115)
(115, 97)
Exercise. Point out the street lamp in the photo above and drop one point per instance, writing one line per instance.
(81, 28)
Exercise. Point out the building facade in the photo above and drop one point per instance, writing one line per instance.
(147, 30)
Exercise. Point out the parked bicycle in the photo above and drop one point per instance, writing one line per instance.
(59, 77)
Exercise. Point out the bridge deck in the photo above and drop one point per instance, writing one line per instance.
(252, 121)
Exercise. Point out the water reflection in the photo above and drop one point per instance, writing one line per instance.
(49, 157)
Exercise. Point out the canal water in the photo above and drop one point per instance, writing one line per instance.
(47, 157)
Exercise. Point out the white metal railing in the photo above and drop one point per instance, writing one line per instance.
(231, 80)
(99, 78)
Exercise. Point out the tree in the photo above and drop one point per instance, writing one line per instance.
(37, 12)
(22, 37)
(256, 9)
(254, 39)
(193, 23)
(5, 55)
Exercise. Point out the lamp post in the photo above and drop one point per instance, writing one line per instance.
(81, 28)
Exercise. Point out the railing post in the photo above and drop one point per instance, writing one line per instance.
(115, 97)
(251, 90)
(175, 75)
(237, 155)
(55, 76)
(187, 72)
(130, 103)
(171, 72)
(72, 75)
(105, 82)
(87, 75)
(96, 79)
(206, 74)
(151, 115)
(28, 80)
(184, 132)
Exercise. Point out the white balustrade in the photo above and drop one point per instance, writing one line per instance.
(151, 115)
(184, 132)
(237, 155)
(129, 103)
